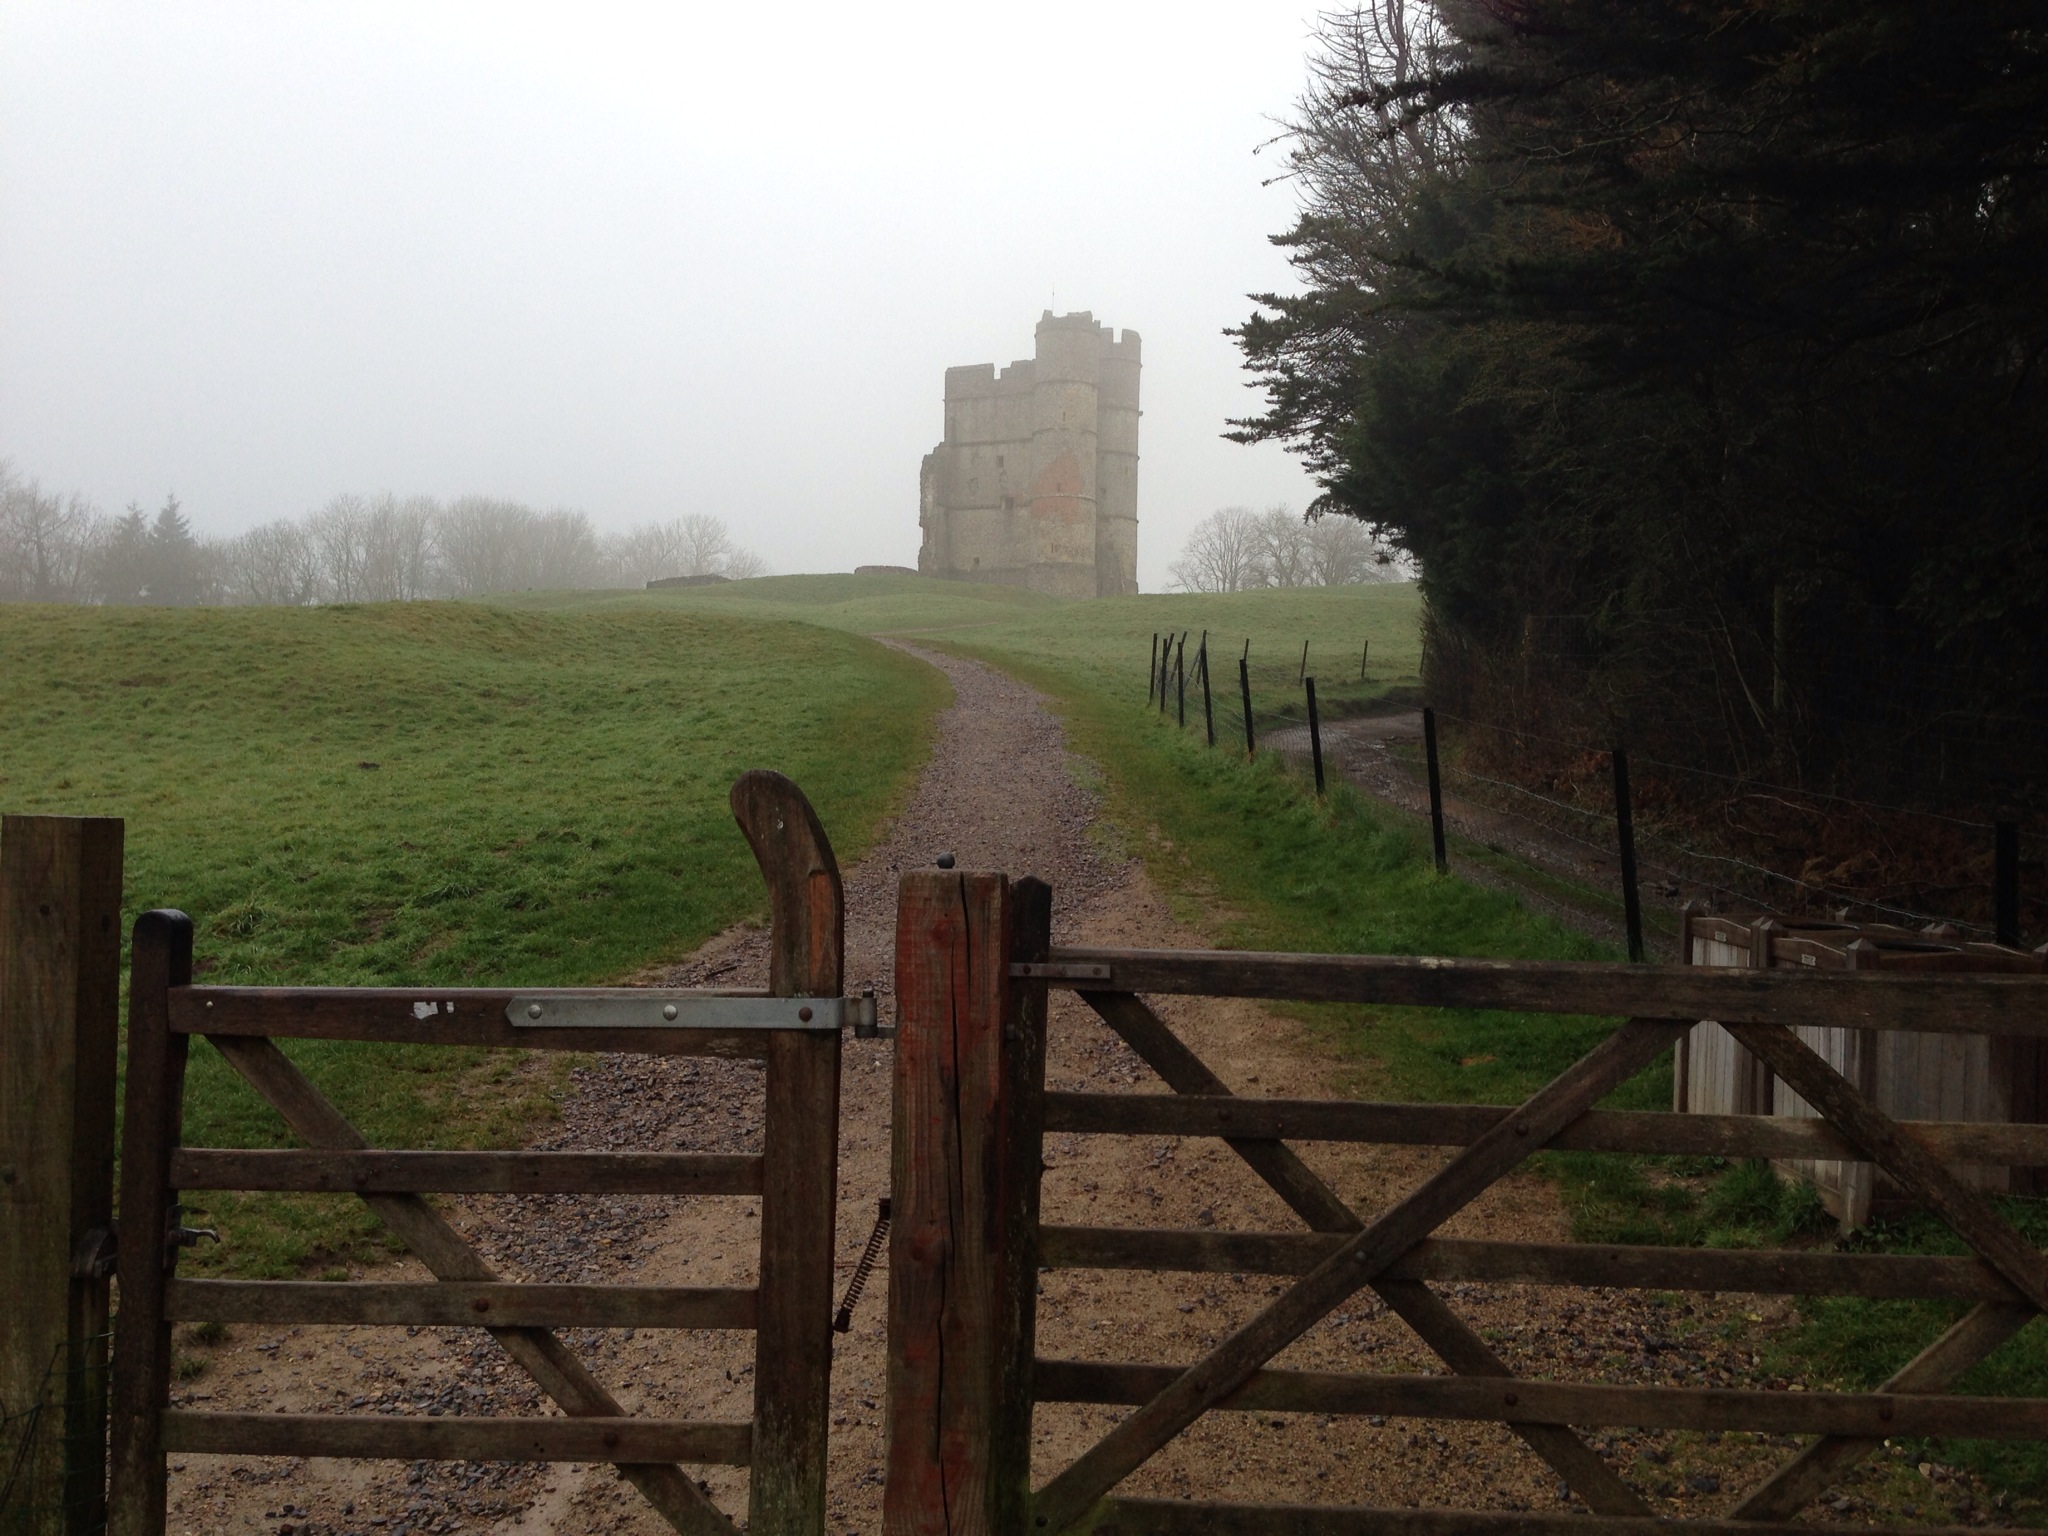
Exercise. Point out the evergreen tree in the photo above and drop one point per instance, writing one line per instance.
(1695, 361)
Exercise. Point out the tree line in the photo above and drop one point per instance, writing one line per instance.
(1235, 549)
(58, 548)
(1693, 351)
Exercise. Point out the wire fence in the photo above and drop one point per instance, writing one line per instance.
(53, 1448)
(1739, 841)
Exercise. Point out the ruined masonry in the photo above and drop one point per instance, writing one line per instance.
(1036, 483)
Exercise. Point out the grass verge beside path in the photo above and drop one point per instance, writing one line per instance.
(1287, 871)
(1250, 841)
(435, 793)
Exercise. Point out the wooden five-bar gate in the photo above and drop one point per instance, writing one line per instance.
(793, 1028)
(974, 964)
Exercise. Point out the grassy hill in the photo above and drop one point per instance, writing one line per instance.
(436, 792)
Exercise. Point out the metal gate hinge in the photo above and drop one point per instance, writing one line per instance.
(97, 1254)
(653, 1008)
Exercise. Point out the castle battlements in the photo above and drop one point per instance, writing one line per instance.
(1036, 482)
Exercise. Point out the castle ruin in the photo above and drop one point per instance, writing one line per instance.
(1036, 483)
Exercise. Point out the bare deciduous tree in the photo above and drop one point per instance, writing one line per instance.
(47, 542)
(1221, 554)
(273, 564)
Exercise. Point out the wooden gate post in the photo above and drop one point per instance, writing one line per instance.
(60, 962)
(800, 1148)
(962, 1254)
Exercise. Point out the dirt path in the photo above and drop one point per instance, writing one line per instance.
(1001, 793)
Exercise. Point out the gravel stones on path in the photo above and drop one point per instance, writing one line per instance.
(1000, 792)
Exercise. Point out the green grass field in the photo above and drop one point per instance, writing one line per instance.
(548, 805)
(435, 792)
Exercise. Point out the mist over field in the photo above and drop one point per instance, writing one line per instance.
(635, 263)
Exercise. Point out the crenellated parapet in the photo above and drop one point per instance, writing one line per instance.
(1036, 481)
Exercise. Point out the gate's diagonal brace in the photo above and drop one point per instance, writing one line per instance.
(1069, 1497)
(1901, 1155)
(1922, 1174)
(1312, 1199)
(1935, 1369)
(444, 1251)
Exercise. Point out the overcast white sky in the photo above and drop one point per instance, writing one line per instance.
(641, 261)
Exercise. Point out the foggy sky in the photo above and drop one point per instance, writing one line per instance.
(639, 262)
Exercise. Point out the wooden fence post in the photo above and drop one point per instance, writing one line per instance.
(948, 1291)
(60, 981)
(799, 1175)
(1152, 668)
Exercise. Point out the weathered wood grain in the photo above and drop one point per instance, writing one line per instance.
(1935, 1369)
(1917, 1170)
(1744, 1271)
(159, 959)
(1177, 1517)
(60, 980)
(2011, 1005)
(441, 1016)
(454, 1438)
(1069, 1497)
(1316, 1203)
(514, 1173)
(1013, 1185)
(953, 946)
(800, 1178)
(1509, 1399)
(554, 1368)
(1455, 1125)
(452, 1303)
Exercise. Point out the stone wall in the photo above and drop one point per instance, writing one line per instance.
(1036, 482)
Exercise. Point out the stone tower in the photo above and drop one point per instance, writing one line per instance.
(1036, 483)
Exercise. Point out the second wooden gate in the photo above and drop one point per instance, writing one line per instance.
(793, 1028)
(974, 962)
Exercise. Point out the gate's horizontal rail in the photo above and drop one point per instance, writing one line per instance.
(1976, 1005)
(505, 1173)
(440, 1016)
(460, 1304)
(1176, 1517)
(392, 1437)
(1746, 1272)
(1510, 1399)
(1458, 1125)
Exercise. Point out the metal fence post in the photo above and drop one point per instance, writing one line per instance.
(1436, 790)
(60, 958)
(1208, 707)
(2005, 883)
(1625, 835)
(1244, 684)
(1315, 733)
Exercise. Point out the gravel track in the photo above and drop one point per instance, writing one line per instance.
(1000, 792)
